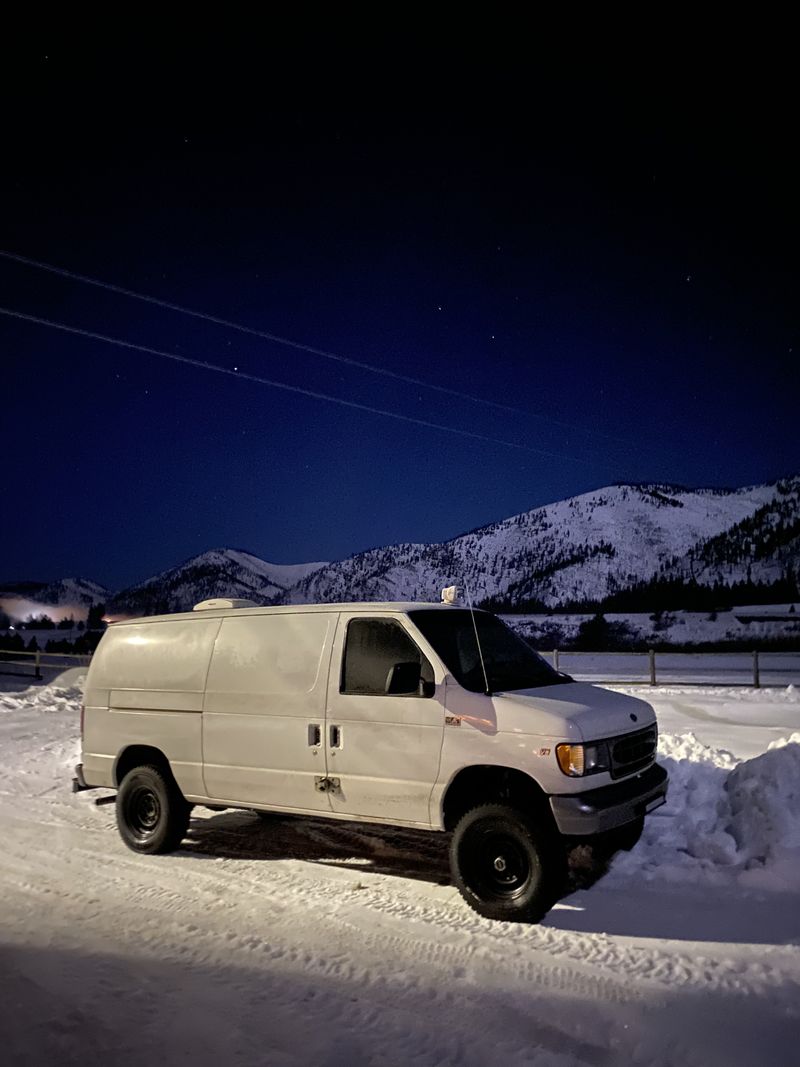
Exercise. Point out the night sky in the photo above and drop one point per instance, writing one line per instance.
(610, 256)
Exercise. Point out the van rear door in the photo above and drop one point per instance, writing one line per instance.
(264, 711)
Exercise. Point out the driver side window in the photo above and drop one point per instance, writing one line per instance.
(372, 648)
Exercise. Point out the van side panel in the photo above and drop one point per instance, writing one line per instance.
(265, 695)
(171, 656)
(145, 686)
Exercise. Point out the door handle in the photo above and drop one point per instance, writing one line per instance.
(336, 736)
(314, 733)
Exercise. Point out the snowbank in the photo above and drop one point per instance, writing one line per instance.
(763, 796)
(725, 820)
(48, 698)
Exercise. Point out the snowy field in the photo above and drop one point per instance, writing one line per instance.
(700, 668)
(755, 625)
(298, 941)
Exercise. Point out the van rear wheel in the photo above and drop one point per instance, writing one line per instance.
(505, 865)
(152, 814)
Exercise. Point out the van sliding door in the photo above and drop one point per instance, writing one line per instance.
(264, 711)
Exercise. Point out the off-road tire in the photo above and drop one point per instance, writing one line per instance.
(507, 865)
(152, 814)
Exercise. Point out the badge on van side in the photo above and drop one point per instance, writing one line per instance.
(452, 720)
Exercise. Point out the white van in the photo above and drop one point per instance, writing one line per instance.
(417, 715)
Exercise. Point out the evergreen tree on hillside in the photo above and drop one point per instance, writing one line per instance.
(94, 617)
(594, 635)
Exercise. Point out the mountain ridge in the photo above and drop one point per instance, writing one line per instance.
(579, 550)
(218, 572)
(575, 550)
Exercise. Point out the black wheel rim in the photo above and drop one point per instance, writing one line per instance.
(143, 812)
(497, 867)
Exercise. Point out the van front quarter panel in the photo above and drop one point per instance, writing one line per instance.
(480, 742)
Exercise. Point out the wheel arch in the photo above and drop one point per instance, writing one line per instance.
(491, 783)
(138, 756)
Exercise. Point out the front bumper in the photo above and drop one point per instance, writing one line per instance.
(598, 810)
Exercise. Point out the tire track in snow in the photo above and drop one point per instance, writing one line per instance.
(377, 958)
(346, 919)
(272, 878)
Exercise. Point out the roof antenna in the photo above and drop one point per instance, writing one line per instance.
(488, 690)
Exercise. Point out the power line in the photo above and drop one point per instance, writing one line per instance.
(266, 336)
(204, 365)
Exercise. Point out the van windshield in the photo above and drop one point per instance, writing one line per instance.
(510, 662)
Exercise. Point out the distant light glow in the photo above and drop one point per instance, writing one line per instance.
(23, 610)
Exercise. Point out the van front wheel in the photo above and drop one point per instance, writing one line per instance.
(505, 865)
(152, 814)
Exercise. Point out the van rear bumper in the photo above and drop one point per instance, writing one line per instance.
(598, 810)
(79, 783)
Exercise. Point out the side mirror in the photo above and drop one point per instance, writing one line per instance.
(403, 679)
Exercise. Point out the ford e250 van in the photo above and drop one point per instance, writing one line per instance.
(414, 715)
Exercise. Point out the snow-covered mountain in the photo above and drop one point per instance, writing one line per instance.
(74, 591)
(64, 591)
(573, 551)
(761, 546)
(583, 548)
(219, 572)
(62, 599)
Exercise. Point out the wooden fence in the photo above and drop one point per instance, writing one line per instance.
(31, 664)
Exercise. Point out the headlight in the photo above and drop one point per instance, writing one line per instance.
(579, 760)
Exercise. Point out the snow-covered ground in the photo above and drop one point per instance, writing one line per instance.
(768, 623)
(298, 941)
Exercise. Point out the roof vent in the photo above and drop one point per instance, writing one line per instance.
(223, 602)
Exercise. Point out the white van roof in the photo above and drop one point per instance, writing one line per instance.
(223, 602)
(401, 607)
